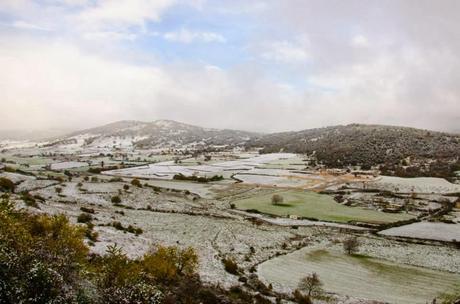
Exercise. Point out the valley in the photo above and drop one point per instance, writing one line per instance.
(278, 216)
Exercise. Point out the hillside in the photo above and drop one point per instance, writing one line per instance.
(367, 145)
(156, 134)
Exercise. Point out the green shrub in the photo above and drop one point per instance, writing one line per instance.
(84, 218)
(40, 257)
(87, 210)
(116, 199)
(6, 185)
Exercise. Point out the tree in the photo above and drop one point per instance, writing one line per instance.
(351, 245)
(311, 284)
(277, 199)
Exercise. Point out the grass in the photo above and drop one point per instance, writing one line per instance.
(313, 205)
(360, 276)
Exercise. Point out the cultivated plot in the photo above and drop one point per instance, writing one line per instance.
(358, 276)
(313, 205)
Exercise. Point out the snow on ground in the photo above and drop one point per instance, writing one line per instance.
(358, 276)
(275, 181)
(166, 170)
(426, 230)
(281, 221)
(67, 165)
(15, 177)
(408, 185)
(32, 184)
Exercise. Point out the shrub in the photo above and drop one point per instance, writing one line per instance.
(137, 183)
(301, 298)
(199, 179)
(29, 200)
(40, 257)
(58, 189)
(6, 185)
(126, 187)
(87, 210)
(230, 266)
(115, 199)
(167, 263)
(84, 218)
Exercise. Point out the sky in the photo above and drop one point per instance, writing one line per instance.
(261, 65)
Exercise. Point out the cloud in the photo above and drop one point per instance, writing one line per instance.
(285, 51)
(297, 64)
(187, 36)
(359, 41)
(109, 36)
(28, 26)
(124, 13)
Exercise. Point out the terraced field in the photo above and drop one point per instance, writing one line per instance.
(313, 205)
(358, 276)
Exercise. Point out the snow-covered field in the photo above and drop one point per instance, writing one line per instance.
(408, 185)
(67, 165)
(363, 277)
(284, 180)
(426, 230)
(166, 170)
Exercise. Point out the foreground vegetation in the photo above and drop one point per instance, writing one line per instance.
(44, 259)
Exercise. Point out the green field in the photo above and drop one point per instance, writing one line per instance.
(359, 276)
(313, 205)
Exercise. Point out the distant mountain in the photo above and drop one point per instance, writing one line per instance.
(156, 134)
(31, 134)
(336, 146)
(363, 144)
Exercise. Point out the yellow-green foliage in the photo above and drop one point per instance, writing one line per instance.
(43, 259)
(121, 279)
(40, 256)
(166, 263)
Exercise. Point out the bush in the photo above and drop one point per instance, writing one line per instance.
(6, 185)
(40, 257)
(301, 298)
(87, 210)
(230, 266)
(29, 200)
(84, 218)
(199, 179)
(126, 187)
(137, 183)
(116, 199)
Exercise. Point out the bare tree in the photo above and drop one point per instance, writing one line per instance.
(277, 199)
(351, 245)
(311, 284)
